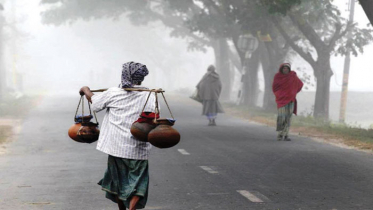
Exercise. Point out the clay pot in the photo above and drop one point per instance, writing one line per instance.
(89, 132)
(73, 132)
(84, 132)
(164, 136)
(141, 130)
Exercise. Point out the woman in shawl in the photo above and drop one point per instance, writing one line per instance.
(286, 85)
(209, 89)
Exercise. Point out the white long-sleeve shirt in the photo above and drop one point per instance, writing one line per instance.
(122, 109)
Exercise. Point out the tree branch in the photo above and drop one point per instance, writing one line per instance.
(339, 35)
(234, 58)
(177, 26)
(308, 32)
(306, 56)
(335, 36)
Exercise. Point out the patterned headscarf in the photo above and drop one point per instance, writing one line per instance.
(132, 73)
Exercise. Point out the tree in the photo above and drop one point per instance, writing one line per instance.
(229, 20)
(323, 32)
(271, 52)
(252, 18)
(172, 13)
(317, 31)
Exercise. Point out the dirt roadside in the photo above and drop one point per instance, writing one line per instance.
(9, 130)
(312, 133)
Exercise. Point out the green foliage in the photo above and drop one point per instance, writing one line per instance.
(172, 13)
(280, 6)
(69, 11)
(229, 18)
(181, 6)
(331, 28)
(326, 18)
(210, 24)
(359, 39)
(214, 18)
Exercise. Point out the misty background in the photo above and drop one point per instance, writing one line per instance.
(58, 60)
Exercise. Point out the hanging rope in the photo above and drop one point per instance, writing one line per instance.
(81, 101)
(94, 113)
(89, 107)
(146, 103)
(164, 98)
(82, 108)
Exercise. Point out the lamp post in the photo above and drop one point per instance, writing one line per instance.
(346, 69)
(3, 75)
(247, 44)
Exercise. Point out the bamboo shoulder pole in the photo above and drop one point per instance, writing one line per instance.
(134, 89)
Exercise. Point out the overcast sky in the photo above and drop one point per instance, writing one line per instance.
(91, 53)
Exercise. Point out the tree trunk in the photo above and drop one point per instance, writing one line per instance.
(271, 60)
(321, 66)
(250, 80)
(269, 100)
(221, 50)
(323, 74)
(234, 59)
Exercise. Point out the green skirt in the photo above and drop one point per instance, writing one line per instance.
(125, 178)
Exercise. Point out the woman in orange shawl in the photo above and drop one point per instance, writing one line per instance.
(286, 85)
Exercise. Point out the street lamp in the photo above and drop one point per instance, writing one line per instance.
(246, 44)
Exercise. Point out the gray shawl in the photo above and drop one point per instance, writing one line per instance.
(210, 86)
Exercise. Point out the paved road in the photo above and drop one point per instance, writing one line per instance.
(235, 166)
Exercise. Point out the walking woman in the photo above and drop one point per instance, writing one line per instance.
(126, 180)
(209, 89)
(286, 85)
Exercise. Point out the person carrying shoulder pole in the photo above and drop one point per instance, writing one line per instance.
(126, 180)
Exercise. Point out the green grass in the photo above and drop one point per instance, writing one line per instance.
(349, 134)
(364, 135)
(5, 132)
